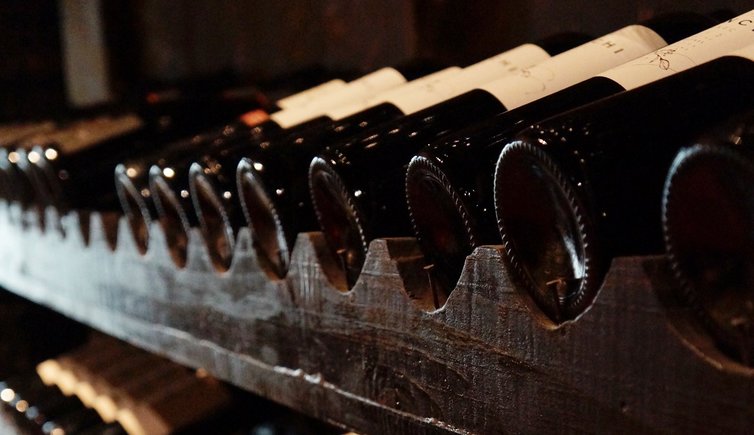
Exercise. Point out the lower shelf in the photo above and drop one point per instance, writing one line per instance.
(373, 359)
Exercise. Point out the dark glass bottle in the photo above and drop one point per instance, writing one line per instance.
(272, 181)
(132, 175)
(279, 167)
(171, 199)
(261, 126)
(358, 186)
(65, 160)
(212, 179)
(707, 215)
(171, 192)
(169, 188)
(449, 183)
(72, 163)
(577, 190)
(16, 187)
(193, 106)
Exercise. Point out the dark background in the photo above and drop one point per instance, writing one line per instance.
(46, 45)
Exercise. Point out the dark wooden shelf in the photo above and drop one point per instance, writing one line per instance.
(372, 359)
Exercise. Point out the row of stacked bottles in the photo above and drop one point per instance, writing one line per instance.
(559, 150)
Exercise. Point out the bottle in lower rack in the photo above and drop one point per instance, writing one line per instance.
(45, 408)
(358, 186)
(708, 210)
(577, 190)
(449, 183)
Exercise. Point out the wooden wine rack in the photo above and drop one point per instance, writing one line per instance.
(373, 359)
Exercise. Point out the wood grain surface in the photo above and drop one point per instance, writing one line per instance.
(373, 359)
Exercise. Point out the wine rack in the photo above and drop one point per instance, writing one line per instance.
(377, 358)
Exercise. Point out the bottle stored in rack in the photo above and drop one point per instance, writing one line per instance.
(449, 183)
(578, 189)
(708, 206)
(358, 185)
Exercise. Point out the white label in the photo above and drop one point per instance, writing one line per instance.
(307, 95)
(369, 85)
(746, 53)
(502, 65)
(574, 65)
(702, 47)
(344, 110)
(380, 80)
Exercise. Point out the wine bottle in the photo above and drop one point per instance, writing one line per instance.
(193, 108)
(707, 212)
(449, 183)
(15, 186)
(212, 179)
(169, 185)
(264, 125)
(308, 95)
(101, 381)
(249, 118)
(357, 186)
(133, 173)
(73, 182)
(175, 406)
(281, 202)
(131, 177)
(593, 179)
(256, 122)
(64, 161)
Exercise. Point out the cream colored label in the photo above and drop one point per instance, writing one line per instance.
(369, 85)
(344, 110)
(746, 53)
(574, 65)
(502, 65)
(380, 80)
(308, 95)
(685, 54)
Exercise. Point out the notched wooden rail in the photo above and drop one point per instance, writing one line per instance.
(378, 358)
